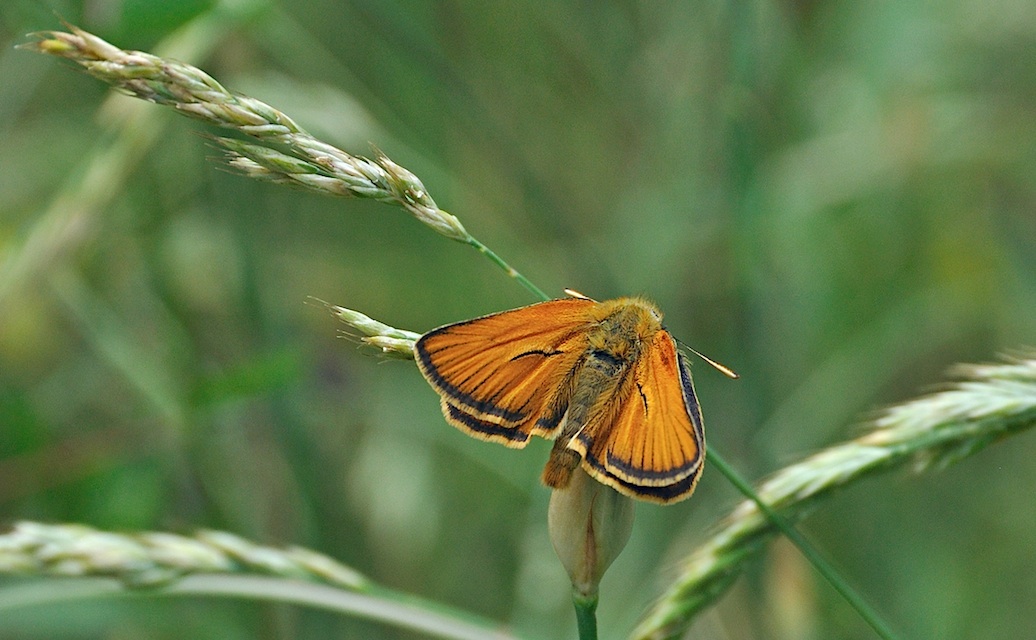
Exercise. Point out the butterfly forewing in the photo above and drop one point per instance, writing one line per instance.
(500, 375)
(510, 436)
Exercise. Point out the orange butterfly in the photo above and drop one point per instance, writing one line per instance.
(604, 380)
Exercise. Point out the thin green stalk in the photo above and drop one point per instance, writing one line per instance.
(806, 548)
(586, 616)
(387, 608)
(104, 564)
(508, 269)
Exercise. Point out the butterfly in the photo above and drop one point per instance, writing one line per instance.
(604, 380)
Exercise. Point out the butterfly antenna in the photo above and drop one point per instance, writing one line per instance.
(722, 368)
(576, 294)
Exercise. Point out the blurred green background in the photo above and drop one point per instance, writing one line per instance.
(835, 199)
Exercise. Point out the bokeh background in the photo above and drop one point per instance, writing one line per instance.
(834, 198)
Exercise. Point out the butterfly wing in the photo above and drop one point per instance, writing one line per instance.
(503, 377)
(654, 447)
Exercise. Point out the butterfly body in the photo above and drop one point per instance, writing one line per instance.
(615, 337)
(604, 380)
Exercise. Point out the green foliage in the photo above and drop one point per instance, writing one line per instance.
(835, 199)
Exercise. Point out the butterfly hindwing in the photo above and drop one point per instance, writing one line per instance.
(502, 377)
